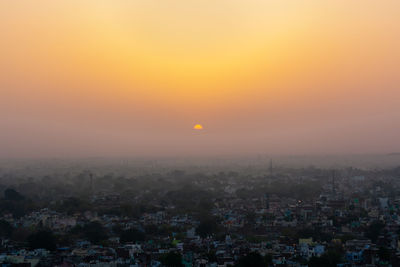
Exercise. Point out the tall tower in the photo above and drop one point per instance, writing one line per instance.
(270, 167)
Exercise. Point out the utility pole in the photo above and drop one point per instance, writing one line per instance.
(91, 182)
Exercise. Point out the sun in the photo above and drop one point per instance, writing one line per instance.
(198, 127)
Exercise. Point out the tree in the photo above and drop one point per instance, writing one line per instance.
(18, 208)
(211, 256)
(94, 232)
(384, 254)
(252, 259)
(207, 227)
(329, 259)
(129, 210)
(374, 230)
(72, 205)
(42, 239)
(5, 229)
(172, 259)
(268, 259)
(251, 217)
(13, 195)
(131, 235)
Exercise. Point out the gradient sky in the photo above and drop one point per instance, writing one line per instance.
(132, 77)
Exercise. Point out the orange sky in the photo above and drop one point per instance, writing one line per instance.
(122, 77)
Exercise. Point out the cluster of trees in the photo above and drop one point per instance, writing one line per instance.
(305, 190)
(130, 235)
(43, 239)
(330, 258)
(208, 227)
(255, 260)
(93, 231)
(317, 233)
(172, 259)
(40, 238)
(16, 204)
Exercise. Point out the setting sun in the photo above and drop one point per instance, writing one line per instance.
(198, 127)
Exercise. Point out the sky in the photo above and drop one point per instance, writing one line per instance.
(132, 77)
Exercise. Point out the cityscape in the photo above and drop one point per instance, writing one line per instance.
(255, 215)
(199, 133)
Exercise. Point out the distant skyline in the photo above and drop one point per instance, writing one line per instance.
(132, 78)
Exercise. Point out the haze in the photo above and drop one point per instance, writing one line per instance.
(132, 78)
